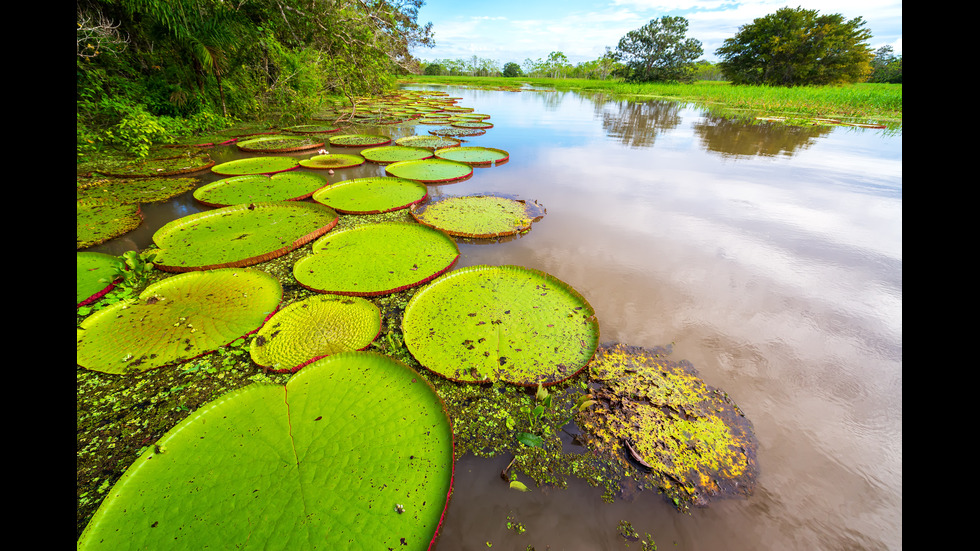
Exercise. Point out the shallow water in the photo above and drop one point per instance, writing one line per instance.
(771, 258)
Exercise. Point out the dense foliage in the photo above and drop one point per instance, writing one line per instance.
(146, 69)
(658, 51)
(794, 47)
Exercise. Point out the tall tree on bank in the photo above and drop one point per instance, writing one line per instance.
(658, 51)
(795, 47)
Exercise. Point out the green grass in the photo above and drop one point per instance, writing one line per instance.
(855, 103)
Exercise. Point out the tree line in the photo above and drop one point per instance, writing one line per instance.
(791, 47)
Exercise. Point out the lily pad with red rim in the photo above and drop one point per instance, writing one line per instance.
(95, 275)
(279, 144)
(428, 142)
(359, 140)
(100, 220)
(356, 447)
(256, 188)
(473, 156)
(313, 328)
(376, 259)
(464, 132)
(387, 154)
(332, 161)
(239, 235)
(372, 195)
(507, 323)
(256, 165)
(478, 216)
(430, 170)
(176, 319)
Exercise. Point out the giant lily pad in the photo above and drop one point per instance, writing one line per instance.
(455, 131)
(313, 328)
(254, 188)
(509, 323)
(99, 221)
(239, 235)
(331, 161)
(430, 170)
(279, 144)
(95, 275)
(133, 190)
(354, 452)
(165, 166)
(359, 140)
(480, 216)
(428, 142)
(176, 319)
(256, 165)
(376, 259)
(394, 153)
(372, 195)
(474, 156)
(692, 440)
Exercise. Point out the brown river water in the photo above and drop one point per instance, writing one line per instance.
(769, 256)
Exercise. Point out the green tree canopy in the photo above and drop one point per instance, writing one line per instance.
(795, 47)
(885, 66)
(658, 51)
(512, 69)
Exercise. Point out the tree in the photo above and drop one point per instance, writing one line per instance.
(885, 67)
(658, 51)
(795, 47)
(513, 70)
(557, 63)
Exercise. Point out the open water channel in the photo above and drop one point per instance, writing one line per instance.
(770, 256)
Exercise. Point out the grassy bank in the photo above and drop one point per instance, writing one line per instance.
(857, 103)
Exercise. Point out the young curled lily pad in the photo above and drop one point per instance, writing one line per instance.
(431, 171)
(256, 165)
(479, 216)
(372, 195)
(356, 447)
(239, 235)
(474, 156)
(692, 440)
(176, 319)
(359, 140)
(255, 188)
(376, 259)
(507, 323)
(332, 161)
(313, 328)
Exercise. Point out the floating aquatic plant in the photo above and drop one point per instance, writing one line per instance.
(99, 221)
(176, 319)
(394, 153)
(331, 161)
(133, 190)
(313, 128)
(166, 166)
(354, 451)
(279, 144)
(256, 165)
(372, 195)
(453, 131)
(479, 216)
(255, 188)
(692, 440)
(473, 156)
(508, 323)
(95, 275)
(310, 329)
(239, 235)
(431, 171)
(359, 140)
(428, 142)
(376, 259)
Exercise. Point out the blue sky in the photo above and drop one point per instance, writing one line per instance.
(514, 30)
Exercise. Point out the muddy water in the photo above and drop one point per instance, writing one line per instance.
(770, 257)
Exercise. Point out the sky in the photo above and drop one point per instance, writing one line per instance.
(515, 30)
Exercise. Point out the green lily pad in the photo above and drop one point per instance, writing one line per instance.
(313, 129)
(332, 161)
(372, 195)
(473, 156)
(359, 140)
(99, 221)
(354, 452)
(395, 153)
(430, 170)
(95, 275)
(691, 440)
(256, 165)
(133, 190)
(472, 124)
(508, 323)
(454, 131)
(239, 235)
(310, 329)
(176, 319)
(428, 142)
(479, 216)
(376, 259)
(254, 188)
(279, 144)
(166, 166)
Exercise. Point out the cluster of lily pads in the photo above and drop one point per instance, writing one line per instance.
(292, 464)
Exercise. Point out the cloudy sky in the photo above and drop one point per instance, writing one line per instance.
(514, 30)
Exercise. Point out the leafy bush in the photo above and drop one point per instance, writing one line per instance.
(136, 132)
